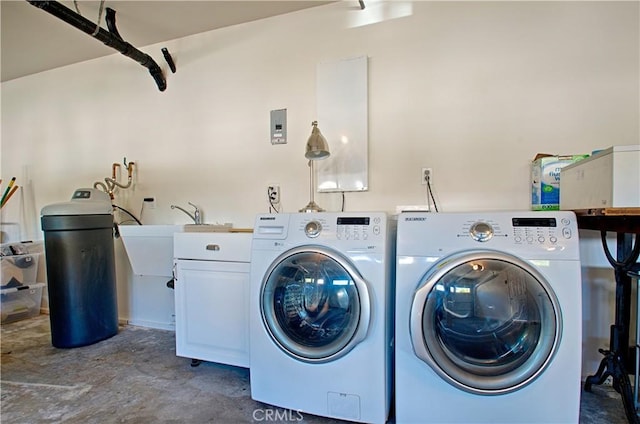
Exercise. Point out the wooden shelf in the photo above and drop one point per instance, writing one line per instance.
(620, 220)
(608, 212)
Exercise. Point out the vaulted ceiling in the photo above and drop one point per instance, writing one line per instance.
(32, 40)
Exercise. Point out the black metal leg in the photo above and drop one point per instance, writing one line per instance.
(612, 366)
(606, 364)
(615, 359)
(624, 388)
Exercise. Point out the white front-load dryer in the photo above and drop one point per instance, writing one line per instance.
(321, 314)
(488, 318)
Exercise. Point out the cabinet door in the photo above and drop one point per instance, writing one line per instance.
(212, 311)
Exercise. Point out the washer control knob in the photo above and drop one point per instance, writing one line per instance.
(481, 231)
(312, 229)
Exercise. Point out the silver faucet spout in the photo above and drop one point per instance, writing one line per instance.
(196, 217)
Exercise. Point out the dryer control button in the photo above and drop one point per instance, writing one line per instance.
(481, 231)
(312, 229)
(566, 232)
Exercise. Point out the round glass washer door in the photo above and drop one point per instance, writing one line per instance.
(486, 322)
(314, 304)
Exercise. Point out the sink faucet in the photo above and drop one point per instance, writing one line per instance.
(197, 219)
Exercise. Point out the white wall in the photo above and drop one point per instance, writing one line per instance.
(471, 89)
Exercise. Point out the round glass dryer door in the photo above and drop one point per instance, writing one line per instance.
(314, 304)
(486, 322)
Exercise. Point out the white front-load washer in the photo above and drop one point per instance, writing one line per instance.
(321, 313)
(488, 318)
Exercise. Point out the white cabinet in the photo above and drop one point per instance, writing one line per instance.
(212, 296)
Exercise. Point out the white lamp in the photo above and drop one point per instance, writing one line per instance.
(317, 148)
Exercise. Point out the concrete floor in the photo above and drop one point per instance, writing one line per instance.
(135, 377)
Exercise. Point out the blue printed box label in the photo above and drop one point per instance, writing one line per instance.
(545, 181)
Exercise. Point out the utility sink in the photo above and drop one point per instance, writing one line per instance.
(150, 248)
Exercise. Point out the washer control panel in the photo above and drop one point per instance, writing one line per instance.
(348, 228)
(357, 228)
(312, 229)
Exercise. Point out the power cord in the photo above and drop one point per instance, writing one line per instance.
(430, 194)
(272, 196)
(128, 213)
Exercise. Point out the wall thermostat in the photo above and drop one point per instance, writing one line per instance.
(279, 126)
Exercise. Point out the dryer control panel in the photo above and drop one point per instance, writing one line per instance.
(523, 231)
(481, 231)
(532, 234)
(540, 230)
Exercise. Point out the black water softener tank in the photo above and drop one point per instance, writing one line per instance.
(81, 277)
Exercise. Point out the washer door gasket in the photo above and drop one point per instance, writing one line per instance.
(314, 304)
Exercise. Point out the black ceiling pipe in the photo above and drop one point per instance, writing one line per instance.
(112, 40)
(110, 19)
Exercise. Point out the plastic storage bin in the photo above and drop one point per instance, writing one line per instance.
(18, 270)
(21, 302)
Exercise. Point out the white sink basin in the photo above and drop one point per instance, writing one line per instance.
(150, 248)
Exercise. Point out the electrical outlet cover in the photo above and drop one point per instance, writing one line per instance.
(273, 192)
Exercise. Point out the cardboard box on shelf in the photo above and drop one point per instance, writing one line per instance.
(545, 179)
